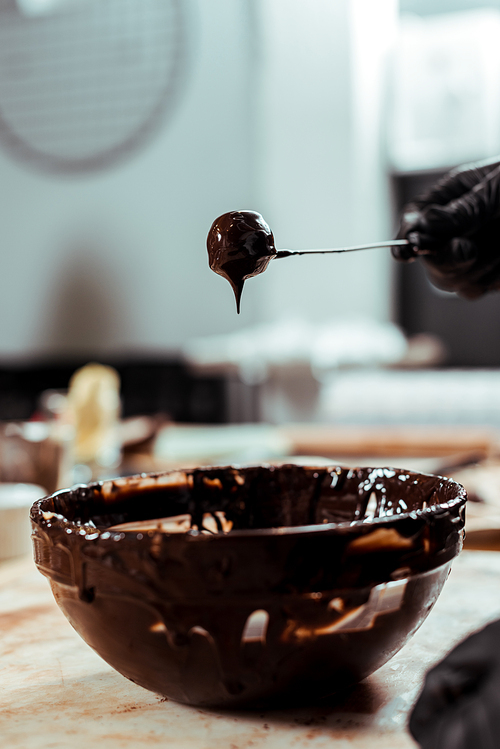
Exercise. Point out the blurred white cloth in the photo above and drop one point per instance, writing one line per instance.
(289, 342)
(15, 526)
(220, 445)
(449, 396)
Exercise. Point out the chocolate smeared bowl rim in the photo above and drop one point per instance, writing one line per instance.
(286, 551)
(142, 483)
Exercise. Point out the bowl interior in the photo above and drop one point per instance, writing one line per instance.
(255, 498)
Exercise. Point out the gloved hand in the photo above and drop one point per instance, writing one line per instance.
(455, 229)
(459, 707)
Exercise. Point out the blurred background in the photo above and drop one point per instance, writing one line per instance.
(128, 126)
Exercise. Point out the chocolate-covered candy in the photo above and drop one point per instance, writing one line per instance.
(240, 245)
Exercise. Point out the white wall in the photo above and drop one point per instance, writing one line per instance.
(323, 166)
(117, 261)
(270, 121)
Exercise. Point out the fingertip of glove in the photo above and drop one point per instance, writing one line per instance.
(405, 253)
(462, 250)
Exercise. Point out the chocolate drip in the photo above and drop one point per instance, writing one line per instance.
(240, 245)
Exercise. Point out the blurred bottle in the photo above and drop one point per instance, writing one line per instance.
(93, 409)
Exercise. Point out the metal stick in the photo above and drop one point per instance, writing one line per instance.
(354, 248)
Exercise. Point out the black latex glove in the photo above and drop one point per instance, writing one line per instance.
(459, 707)
(455, 229)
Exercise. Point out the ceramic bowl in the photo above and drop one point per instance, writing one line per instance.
(244, 586)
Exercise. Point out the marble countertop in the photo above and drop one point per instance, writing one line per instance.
(55, 692)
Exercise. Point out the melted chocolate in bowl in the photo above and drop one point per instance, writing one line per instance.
(240, 245)
(258, 583)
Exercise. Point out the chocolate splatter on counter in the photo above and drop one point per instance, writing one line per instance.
(227, 586)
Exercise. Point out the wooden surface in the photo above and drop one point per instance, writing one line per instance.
(56, 693)
(391, 440)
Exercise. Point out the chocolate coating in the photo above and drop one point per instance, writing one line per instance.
(240, 245)
(335, 568)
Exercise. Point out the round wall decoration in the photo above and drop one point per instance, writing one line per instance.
(84, 83)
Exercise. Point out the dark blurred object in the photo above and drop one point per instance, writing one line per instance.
(455, 230)
(470, 331)
(459, 707)
(148, 387)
